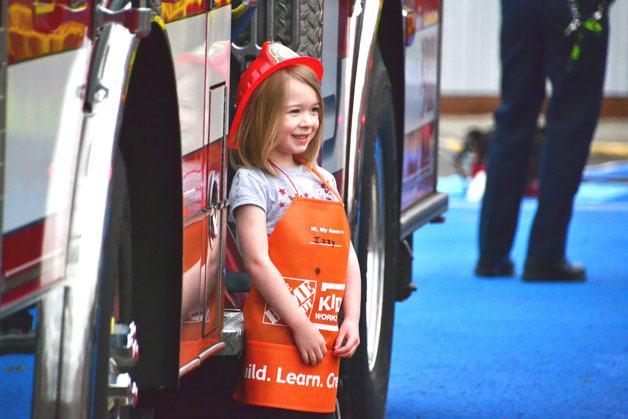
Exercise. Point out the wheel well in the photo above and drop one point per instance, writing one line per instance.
(151, 147)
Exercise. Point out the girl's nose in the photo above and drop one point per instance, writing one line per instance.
(307, 119)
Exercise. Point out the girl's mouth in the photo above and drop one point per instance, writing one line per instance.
(301, 138)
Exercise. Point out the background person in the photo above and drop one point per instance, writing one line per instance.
(566, 42)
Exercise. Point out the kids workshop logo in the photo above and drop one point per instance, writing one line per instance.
(303, 290)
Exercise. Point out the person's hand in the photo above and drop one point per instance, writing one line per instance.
(310, 343)
(348, 339)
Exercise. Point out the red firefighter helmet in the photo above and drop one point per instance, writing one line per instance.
(273, 57)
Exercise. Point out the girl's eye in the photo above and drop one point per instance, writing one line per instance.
(293, 111)
(315, 109)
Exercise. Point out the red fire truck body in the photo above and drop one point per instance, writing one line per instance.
(115, 173)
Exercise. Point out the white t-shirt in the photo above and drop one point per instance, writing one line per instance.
(274, 194)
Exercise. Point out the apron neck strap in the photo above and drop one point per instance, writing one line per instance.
(322, 179)
(272, 163)
(311, 169)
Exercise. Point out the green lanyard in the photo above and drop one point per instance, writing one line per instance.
(591, 24)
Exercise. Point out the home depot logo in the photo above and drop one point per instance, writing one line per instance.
(303, 290)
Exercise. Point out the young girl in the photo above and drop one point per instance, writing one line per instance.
(295, 241)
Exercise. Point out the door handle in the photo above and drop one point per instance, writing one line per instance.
(213, 204)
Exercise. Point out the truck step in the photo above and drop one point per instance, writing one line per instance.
(233, 333)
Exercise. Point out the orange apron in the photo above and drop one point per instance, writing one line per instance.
(309, 246)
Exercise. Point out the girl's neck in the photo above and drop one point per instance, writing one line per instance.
(283, 160)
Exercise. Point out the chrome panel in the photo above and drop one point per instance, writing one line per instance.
(332, 153)
(89, 207)
(420, 102)
(195, 73)
(361, 42)
(219, 46)
(3, 103)
(217, 113)
(202, 285)
(48, 354)
(330, 48)
(345, 99)
(217, 217)
(187, 42)
(420, 143)
(218, 74)
(44, 117)
(333, 150)
(194, 177)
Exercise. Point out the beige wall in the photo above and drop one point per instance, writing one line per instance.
(470, 61)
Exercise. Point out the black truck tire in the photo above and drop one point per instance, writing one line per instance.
(364, 378)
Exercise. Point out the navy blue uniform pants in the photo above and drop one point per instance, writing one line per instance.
(533, 49)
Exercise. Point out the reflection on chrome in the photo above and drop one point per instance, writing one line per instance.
(359, 46)
(86, 232)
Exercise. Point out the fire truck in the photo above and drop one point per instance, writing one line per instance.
(119, 271)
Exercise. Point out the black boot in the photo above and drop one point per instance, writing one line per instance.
(489, 269)
(561, 270)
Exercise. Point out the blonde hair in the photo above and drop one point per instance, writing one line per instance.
(262, 119)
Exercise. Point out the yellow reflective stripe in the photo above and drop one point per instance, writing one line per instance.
(159, 21)
(239, 11)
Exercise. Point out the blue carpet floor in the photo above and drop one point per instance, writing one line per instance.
(466, 347)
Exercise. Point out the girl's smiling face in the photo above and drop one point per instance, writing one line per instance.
(300, 122)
